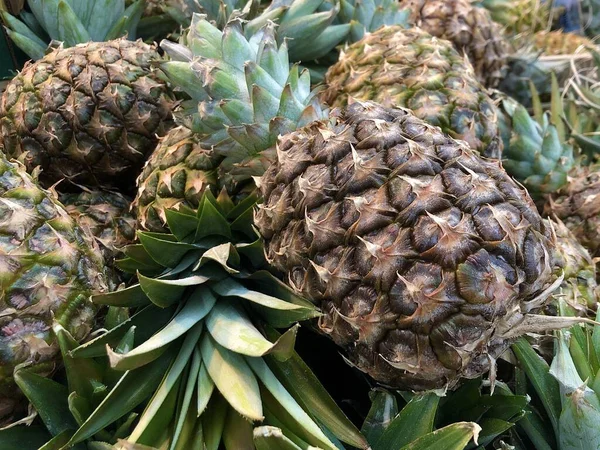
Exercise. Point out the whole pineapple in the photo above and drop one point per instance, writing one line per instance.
(49, 267)
(418, 251)
(409, 68)
(421, 253)
(469, 28)
(519, 16)
(90, 113)
(105, 215)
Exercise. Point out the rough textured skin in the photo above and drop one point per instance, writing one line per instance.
(48, 269)
(89, 113)
(178, 173)
(418, 251)
(106, 216)
(577, 204)
(579, 288)
(559, 43)
(469, 28)
(411, 69)
(519, 16)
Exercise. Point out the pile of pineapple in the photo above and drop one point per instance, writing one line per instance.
(415, 183)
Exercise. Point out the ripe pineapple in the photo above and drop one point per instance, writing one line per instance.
(420, 253)
(90, 113)
(469, 28)
(49, 267)
(559, 43)
(519, 16)
(105, 215)
(71, 23)
(409, 68)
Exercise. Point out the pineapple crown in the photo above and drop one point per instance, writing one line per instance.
(324, 23)
(71, 22)
(244, 93)
(535, 151)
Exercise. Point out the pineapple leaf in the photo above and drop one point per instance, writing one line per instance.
(271, 438)
(70, 29)
(24, 437)
(213, 422)
(237, 432)
(164, 253)
(452, 437)
(182, 225)
(171, 378)
(233, 378)
(224, 255)
(21, 29)
(132, 389)
(312, 431)
(305, 387)
(127, 23)
(81, 373)
(164, 293)
(538, 372)
(147, 321)
(276, 312)
(384, 408)
(205, 386)
(132, 297)
(101, 15)
(28, 45)
(233, 329)
(415, 420)
(188, 319)
(49, 399)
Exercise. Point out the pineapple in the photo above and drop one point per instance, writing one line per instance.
(71, 23)
(49, 267)
(89, 113)
(469, 28)
(409, 68)
(105, 215)
(559, 43)
(423, 256)
(519, 16)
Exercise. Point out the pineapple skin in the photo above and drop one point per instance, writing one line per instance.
(49, 267)
(577, 204)
(418, 251)
(579, 289)
(519, 16)
(555, 43)
(411, 69)
(104, 215)
(471, 30)
(177, 174)
(90, 113)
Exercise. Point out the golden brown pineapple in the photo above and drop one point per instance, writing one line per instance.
(421, 254)
(410, 68)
